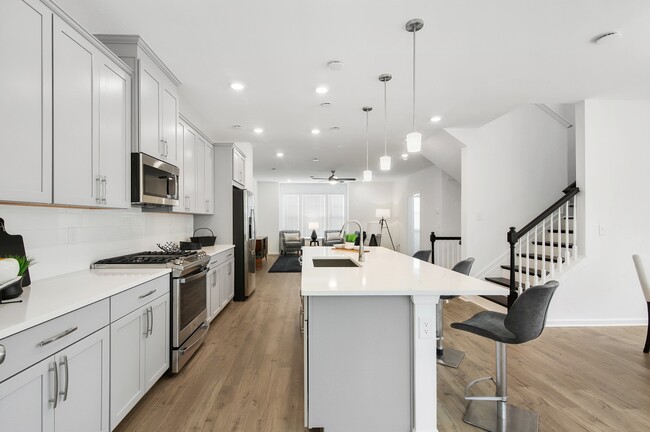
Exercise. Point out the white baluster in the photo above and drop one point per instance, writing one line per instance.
(535, 277)
(559, 254)
(575, 230)
(527, 273)
(518, 285)
(567, 253)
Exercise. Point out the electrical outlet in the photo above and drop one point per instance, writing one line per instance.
(427, 329)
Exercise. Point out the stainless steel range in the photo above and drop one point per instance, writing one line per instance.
(188, 296)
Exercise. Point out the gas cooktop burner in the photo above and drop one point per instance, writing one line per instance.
(154, 257)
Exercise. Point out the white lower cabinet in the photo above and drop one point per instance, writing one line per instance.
(221, 283)
(139, 354)
(65, 392)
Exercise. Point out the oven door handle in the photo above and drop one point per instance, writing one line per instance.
(196, 276)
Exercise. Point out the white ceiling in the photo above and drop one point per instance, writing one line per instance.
(476, 61)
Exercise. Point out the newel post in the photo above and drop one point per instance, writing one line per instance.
(512, 239)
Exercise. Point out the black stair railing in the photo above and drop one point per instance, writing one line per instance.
(450, 254)
(514, 236)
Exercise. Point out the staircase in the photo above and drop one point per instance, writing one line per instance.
(539, 250)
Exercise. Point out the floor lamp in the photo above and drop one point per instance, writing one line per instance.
(383, 214)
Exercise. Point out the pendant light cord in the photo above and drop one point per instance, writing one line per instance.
(366, 140)
(414, 31)
(385, 117)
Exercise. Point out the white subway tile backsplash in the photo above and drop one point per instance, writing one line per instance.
(64, 240)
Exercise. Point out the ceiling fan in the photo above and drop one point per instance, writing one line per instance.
(334, 179)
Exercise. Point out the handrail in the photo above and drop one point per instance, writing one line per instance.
(433, 238)
(571, 192)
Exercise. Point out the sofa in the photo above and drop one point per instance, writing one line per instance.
(290, 241)
(332, 237)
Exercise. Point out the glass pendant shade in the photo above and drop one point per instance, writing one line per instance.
(414, 142)
(384, 163)
(367, 176)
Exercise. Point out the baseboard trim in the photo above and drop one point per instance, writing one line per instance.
(626, 322)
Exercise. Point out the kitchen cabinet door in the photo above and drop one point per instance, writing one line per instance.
(227, 282)
(114, 134)
(157, 341)
(201, 205)
(127, 364)
(169, 123)
(238, 168)
(25, 399)
(83, 385)
(149, 105)
(209, 178)
(213, 293)
(26, 101)
(189, 169)
(182, 202)
(76, 170)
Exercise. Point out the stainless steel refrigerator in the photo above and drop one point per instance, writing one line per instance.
(243, 233)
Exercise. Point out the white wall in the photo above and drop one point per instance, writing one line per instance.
(513, 168)
(64, 240)
(268, 213)
(439, 206)
(613, 154)
(364, 199)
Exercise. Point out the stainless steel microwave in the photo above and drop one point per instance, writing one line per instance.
(153, 182)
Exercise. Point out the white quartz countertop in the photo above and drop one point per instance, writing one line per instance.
(49, 298)
(385, 272)
(216, 249)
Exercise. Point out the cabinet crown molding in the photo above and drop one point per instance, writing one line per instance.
(137, 40)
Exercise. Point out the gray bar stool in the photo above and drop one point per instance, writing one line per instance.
(424, 255)
(447, 356)
(524, 322)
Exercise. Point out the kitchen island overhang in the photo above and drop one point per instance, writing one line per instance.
(370, 347)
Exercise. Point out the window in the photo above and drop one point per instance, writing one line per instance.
(302, 204)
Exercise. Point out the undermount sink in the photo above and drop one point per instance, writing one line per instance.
(334, 262)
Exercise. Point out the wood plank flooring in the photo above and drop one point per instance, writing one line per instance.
(248, 376)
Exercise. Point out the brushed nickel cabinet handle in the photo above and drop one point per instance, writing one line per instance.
(59, 336)
(64, 393)
(147, 294)
(3, 353)
(53, 368)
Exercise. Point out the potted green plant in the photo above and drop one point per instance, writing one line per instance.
(349, 241)
(17, 264)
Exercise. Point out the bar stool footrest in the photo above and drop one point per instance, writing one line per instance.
(483, 414)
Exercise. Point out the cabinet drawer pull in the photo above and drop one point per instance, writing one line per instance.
(57, 337)
(53, 368)
(3, 353)
(64, 393)
(98, 189)
(147, 294)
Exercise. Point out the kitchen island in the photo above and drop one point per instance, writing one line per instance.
(370, 347)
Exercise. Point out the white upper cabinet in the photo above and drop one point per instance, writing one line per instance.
(238, 168)
(201, 204)
(91, 123)
(155, 96)
(197, 172)
(189, 169)
(26, 101)
(209, 178)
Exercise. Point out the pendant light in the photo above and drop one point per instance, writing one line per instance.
(384, 161)
(414, 139)
(367, 174)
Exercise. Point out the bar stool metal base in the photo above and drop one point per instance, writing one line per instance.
(450, 357)
(483, 415)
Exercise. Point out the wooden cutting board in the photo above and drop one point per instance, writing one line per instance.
(12, 245)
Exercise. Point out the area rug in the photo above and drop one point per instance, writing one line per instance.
(286, 264)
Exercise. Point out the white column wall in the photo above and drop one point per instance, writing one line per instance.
(613, 154)
(268, 214)
(512, 169)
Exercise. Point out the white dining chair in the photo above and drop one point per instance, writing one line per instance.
(642, 264)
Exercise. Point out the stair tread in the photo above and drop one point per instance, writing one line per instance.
(554, 244)
(499, 281)
(540, 257)
(560, 231)
(528, 270)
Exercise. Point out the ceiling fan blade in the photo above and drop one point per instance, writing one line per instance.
(346, 179)
(319, 178)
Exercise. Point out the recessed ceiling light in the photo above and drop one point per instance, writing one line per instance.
(237, 86)
(258, 130)
(279, 154)
(405, 156)
(435, 119)
(288, 180)
(315, 160)
(322, 90)
(315, 131)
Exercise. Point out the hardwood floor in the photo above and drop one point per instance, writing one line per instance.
(248, 376)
